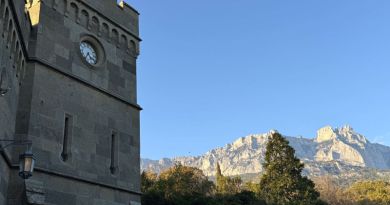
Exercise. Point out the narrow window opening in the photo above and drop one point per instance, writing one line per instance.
(114, 155)
(66, 138)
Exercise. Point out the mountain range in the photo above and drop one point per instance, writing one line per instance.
(339, 152)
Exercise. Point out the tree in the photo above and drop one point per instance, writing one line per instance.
(184, 185)
(252, 187)
(148, 180)
(181, 185)
(370, 192)
(242, 198)
(227, 185)
(220, 181)
(183, 180)
(331, 191)
(282, 182)
(151, 195)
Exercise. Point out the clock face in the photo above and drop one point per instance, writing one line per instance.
(88, 52)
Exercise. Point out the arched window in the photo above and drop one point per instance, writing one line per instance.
(4, 85)
(5, 23)
(73, 11)
(95, 25)
(115, 37)
(124, 44)
(133, 48)
(105, 31)
(84, 18)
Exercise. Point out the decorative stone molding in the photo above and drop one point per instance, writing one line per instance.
(97, 24)
(12, 57)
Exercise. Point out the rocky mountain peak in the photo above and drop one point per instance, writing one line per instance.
(325, 134)
(352, 137)
(345, 133)
(333, 150)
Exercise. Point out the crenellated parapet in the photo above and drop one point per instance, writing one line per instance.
(91, 15)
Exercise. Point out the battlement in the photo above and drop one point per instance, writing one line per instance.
(125, 5)
(121, 12)
(109, 4)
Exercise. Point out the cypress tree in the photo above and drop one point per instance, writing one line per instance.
(220, 179)
(227, 185)
(282, 182)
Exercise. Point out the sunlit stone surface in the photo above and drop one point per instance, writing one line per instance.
(332, 151)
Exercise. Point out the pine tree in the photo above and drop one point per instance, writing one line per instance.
(282, 182)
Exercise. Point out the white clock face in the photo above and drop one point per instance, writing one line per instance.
(88, 52)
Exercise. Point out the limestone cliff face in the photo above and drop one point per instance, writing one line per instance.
(340, 145)
(332, 151)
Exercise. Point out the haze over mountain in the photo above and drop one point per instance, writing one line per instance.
(334, 151)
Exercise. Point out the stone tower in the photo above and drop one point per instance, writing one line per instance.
(71, 69)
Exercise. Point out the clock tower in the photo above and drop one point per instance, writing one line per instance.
(78, 104)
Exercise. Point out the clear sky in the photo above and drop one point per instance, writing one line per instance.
(211, 71)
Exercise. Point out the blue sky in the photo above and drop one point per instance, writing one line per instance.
(213, 71)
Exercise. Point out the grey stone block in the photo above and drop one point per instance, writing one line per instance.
(60, 198)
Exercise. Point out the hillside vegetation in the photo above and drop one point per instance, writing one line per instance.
(282, 183)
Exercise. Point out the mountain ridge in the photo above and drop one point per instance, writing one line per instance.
(332, 152)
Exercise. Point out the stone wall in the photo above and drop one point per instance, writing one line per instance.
(4, 179)
(54, 94)
(60, 30)
(123, 14)
(22, 20)
(12, 57)
(12, 74)
(51, 189)
(95, 116)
